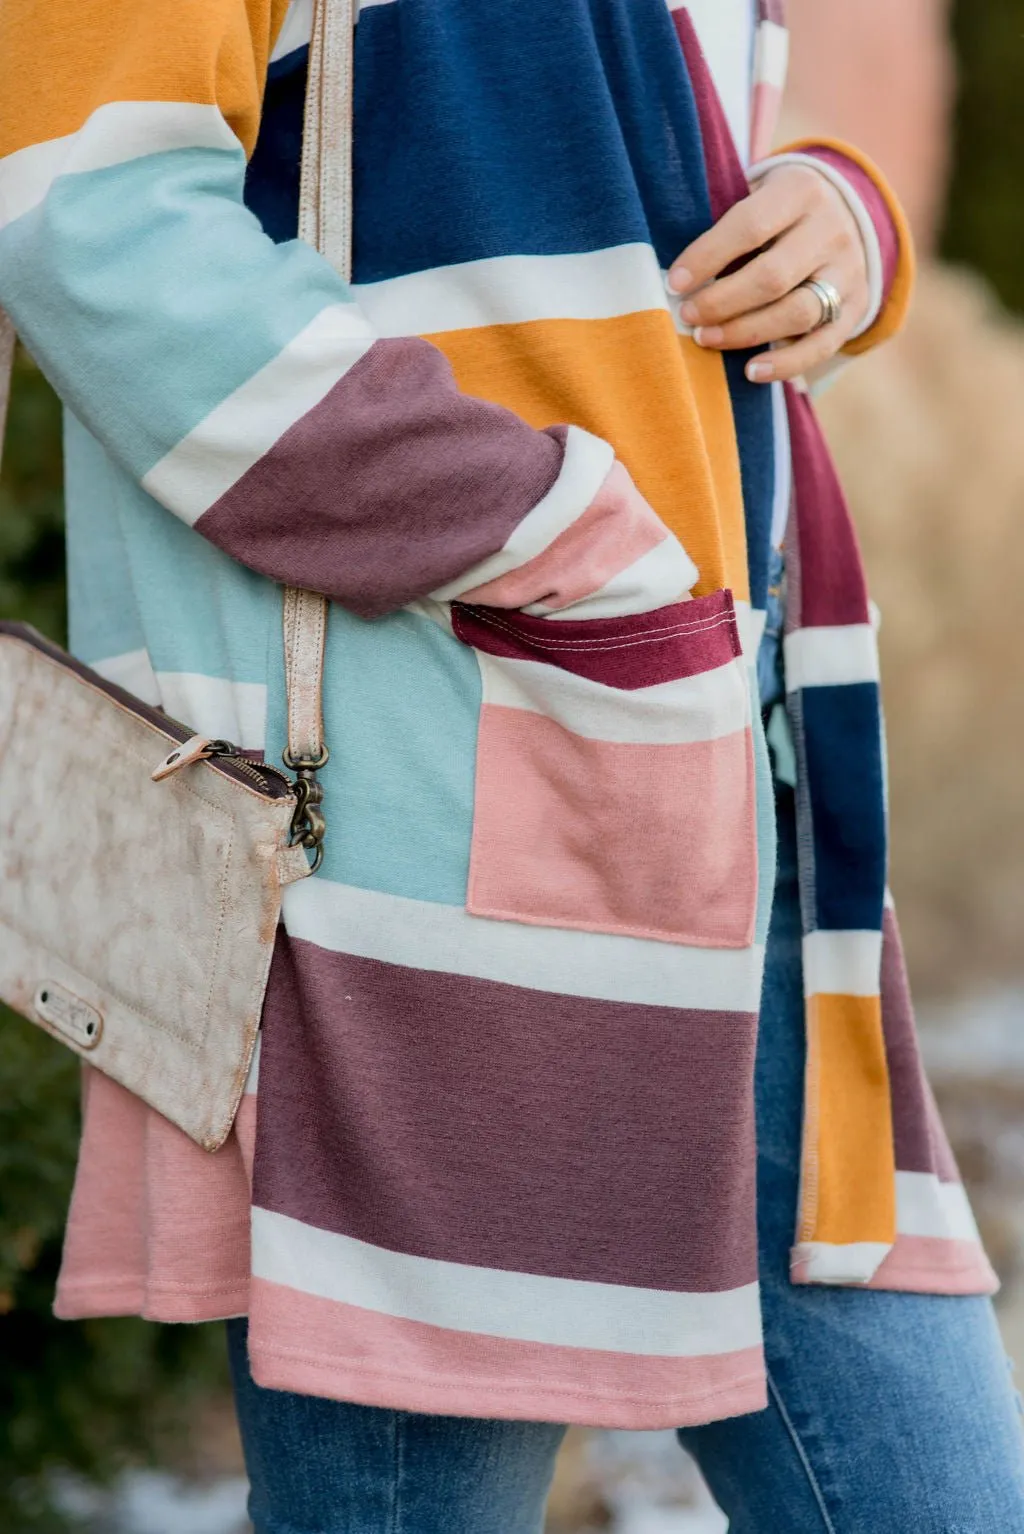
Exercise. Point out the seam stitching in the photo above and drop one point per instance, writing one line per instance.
(812, 1480)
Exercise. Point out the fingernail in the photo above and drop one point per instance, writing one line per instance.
(690, 313)
(759, 372)
(708, 335)
(679, 279)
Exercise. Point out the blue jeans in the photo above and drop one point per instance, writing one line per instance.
(888, 1413)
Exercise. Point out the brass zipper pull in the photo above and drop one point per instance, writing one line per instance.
(197, 749)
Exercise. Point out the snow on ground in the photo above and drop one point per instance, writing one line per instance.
(651, 1486)
(648, 1485)
(153, 1502)
(977, 1035)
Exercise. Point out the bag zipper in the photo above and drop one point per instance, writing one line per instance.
(270, 779)
(223, 756)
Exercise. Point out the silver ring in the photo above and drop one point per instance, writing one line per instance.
(830, 299)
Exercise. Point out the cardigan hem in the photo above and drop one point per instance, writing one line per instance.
(342, 1380)
(90, 1299)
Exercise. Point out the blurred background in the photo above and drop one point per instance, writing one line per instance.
(119, 1427)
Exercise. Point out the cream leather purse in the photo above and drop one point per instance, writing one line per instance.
(141, 865)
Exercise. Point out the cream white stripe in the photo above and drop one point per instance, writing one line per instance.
(223, 710)
(830, 657)
(133, 671)
(856, 1262)
(782, 493)
(513, 290)
(695, 708)
(585, 467)
(214, 706)
(842, 963)
(751, 623)
(927, 1207)
(771, 55)
(443, 938)
(115, 133)
(296, 30)
(726, 30)
(562, 1312)
(237, 433)
(252, 1081)
(662, 576)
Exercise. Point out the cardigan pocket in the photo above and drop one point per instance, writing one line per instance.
(615, 773)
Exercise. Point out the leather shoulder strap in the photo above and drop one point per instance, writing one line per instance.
(325, 221)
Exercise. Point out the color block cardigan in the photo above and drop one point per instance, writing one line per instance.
(497, 1154)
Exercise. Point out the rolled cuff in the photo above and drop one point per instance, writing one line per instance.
(899, 264)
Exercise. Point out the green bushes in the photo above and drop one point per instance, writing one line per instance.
(985, 222)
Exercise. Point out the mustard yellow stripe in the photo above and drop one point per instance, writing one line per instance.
(848, 1190)
(897, 305)
(659, 400)
(61, 60)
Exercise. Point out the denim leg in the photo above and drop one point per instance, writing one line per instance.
(888, 1413)
(330, 1467)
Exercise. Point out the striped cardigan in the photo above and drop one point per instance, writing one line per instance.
(497, 1154)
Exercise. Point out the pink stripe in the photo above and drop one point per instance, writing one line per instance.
(617, 529)
(379, 1360)
(653, 841)
(935, 1265)
(684, 639)
(927, 1265)
(157, 1227)
(767, 105)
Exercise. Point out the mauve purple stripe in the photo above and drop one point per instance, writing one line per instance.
(832, 585)
(920, 1140)
(393, 485)
(628, 653)
(475, 1122)
(878, 208)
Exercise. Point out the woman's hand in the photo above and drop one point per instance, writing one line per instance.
(794, 225)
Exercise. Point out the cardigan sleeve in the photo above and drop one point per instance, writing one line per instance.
(889, 244)
(238, 380)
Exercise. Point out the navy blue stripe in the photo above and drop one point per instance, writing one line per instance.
(486, 129)
(843, 752)
(755, 436)
(272, 177)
